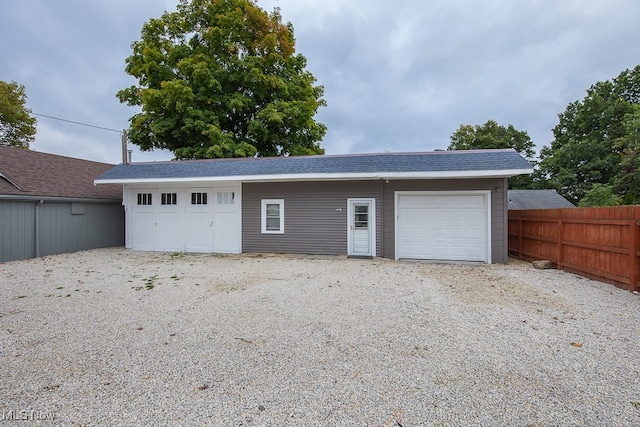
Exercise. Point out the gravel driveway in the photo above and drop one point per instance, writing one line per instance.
(114, 337)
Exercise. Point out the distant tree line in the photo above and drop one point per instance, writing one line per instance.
(594, 159)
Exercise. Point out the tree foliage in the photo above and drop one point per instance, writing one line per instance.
(600, 195)
(627, 183)
(493, 135)
(221, 78)
(596, 141)
(17, 126)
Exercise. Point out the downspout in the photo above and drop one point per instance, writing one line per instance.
(125, 206)
(505, 203)
(382, 189)
(37, 228)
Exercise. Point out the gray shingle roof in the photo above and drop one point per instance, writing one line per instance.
(310, 166)
(537, 199)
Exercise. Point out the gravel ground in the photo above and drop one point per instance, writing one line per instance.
(114, 337)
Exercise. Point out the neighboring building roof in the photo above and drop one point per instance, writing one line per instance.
(436, 164)
(537, 199)
(27, 173)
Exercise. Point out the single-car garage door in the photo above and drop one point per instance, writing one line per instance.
(443, 226)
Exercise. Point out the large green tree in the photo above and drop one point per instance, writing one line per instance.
(627, 182)
(493, 135)
(221, 78)
(17, 126)
(596, 141)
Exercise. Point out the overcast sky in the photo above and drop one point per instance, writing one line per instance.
(398, 76)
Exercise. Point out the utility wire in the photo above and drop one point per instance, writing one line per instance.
(76, 123)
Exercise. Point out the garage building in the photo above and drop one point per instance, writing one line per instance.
(443, 205)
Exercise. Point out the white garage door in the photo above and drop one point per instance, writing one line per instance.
(443, 226)
(185, 219)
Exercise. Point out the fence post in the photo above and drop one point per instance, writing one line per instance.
(633, 252)
(520, 237)
(560, 243)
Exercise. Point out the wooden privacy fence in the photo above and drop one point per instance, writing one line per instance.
(599, 243)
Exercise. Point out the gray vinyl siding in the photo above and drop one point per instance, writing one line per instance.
(58, 230)
(315, 220)
(17, 230)
(316, 214)
(497, 186)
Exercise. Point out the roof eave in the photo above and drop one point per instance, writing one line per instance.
(493, 173)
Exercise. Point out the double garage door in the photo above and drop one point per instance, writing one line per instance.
(185, 219)
(451, 226)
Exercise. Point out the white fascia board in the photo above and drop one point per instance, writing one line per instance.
(327, 177)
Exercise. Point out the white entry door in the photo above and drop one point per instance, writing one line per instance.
(170, 219)
(199, 227)
(227, 228)
(143, 213)
(361, 227)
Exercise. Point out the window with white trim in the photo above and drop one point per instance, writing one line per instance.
(273, 216)
(169, 199)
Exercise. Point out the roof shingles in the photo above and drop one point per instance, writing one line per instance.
(537, 199)
(49, 175)
(436, 161)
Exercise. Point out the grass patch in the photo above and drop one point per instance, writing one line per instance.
(149, 283)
